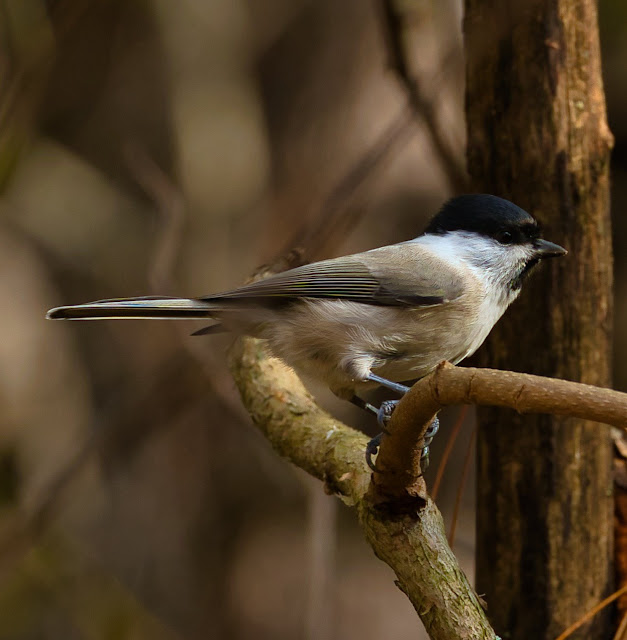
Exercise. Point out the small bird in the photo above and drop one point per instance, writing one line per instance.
(379, 317)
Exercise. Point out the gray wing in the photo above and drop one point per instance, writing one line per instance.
(398, 275)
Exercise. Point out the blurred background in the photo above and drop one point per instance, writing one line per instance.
(152, 146)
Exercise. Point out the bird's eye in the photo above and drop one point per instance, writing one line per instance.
(505, 237)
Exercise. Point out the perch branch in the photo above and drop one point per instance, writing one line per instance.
(399, 454)
(400, 521)
(412, 542)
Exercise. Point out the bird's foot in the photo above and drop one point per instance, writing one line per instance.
(372, 448)
(385, 411)
(432, 429)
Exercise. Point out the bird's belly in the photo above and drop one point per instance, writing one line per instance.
(410, 364)
(452, 337)
(347, 342)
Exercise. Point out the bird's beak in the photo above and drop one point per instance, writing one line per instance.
(546, 249)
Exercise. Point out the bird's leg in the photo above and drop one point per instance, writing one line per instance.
(388, 384)
(386, 409)
(384, 413)
(373, 446)
(362, 404)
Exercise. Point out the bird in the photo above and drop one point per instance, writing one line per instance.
(380, 317)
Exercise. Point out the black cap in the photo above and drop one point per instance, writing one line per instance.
(487, 215)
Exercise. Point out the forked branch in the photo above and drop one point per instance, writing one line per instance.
(400, 521)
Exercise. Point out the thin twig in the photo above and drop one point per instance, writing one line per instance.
(423, 106)
(590, 614)
(450, 443)
(398, 517)
(335, 211)
(170, 206)
(320, 619)
(621, 632)
(461, 486)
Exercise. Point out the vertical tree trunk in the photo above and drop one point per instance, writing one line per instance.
(537, 134)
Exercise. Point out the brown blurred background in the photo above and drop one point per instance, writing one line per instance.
(153, 146)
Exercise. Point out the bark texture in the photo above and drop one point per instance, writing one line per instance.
(537, 134)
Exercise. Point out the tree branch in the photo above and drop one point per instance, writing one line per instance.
(401, 523)
(413, 542)
(399, 455)
(297, 428)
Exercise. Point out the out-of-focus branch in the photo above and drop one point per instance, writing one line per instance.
(170, 206)
(336, 213)
(620, 516)
(394, 22)
(320, 612)
(115, 432)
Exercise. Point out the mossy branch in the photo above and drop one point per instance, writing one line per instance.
(409, 538)
(401, 523)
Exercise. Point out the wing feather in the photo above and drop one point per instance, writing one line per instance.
(382, 281)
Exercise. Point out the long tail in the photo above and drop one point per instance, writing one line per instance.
(149, 307)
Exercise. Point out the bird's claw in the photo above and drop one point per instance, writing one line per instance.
(432, 429)
(385, 411)
(372, 448)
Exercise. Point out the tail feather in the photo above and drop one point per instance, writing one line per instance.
(149, 307)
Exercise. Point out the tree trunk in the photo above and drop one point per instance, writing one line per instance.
(537, 134)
